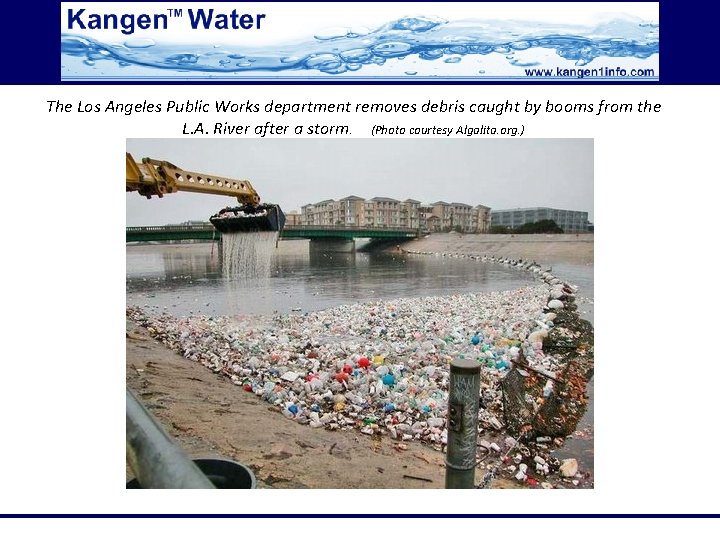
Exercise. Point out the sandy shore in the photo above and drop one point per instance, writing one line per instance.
(208, 416)
(542, 248)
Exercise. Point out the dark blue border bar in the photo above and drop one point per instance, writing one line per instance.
(372, 516)
(32, 32)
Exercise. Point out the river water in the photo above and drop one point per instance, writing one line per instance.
(187, 279)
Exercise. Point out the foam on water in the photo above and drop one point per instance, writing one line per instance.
(346, 50)
(248, 256)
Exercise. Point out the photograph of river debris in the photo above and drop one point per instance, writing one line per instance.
(305, 312)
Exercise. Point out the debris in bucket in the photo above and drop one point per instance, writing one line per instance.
(249, 218)
(382, 368)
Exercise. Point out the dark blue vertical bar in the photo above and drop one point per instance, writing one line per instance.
(30, 34)
(688, 42)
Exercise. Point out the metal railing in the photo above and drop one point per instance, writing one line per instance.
(153, 456)
(298, 227)
(170, 228)
(351, 228)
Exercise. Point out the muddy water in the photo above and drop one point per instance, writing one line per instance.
(187, 279)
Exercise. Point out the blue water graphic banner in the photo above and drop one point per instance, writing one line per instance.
(453, 49)
(422, 47)
(162, 43)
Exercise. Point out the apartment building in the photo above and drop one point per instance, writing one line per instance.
(428, 221)
(307, 214)
(570, 221)
(351, 210)
(293, 218)
(388, 212)
(481, 219)
(461, 217)
(385, 212)
(442, 211)
(410, 213)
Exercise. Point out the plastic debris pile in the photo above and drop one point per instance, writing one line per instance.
(240, 211)
(383, 367)
(380, 366)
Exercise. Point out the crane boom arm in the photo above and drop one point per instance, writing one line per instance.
(154, 177)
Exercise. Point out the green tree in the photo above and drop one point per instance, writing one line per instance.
(547, 226)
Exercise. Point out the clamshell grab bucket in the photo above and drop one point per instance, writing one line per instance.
(249, 218)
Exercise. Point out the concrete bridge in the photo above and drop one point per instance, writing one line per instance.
(323, 238)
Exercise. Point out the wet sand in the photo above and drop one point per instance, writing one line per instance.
(209, 416)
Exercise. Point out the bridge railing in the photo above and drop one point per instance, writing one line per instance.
(209, 227)
(171, 228)
(350, 228)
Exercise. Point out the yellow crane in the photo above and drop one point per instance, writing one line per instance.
(156, 177)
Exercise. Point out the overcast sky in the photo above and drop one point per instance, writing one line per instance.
(499, 173)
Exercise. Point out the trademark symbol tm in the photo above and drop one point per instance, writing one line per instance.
(175, 12)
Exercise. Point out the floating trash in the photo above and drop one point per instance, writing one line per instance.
(383, 367)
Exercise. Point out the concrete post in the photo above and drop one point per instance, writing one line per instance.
(463, 407)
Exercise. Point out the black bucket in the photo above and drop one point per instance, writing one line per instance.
(223, 473)
(249, 218)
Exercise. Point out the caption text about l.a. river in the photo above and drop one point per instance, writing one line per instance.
(249, 118)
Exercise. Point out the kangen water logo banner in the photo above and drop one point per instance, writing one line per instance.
(238, 41)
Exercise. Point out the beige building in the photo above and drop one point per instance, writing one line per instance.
(410, 213)
(307, 214)
(481, 219)
(443, 211)
(323, 213)
(432, 223)
(382, 212)
(425, 213)
(441, 216)
(293, 218)
(355, 211)
(351, 210)
(461, 217)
